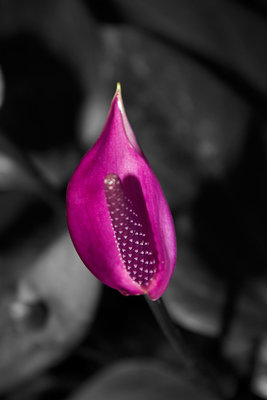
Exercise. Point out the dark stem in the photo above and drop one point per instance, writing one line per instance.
(196, 367)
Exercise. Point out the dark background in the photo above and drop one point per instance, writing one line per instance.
(194, 83)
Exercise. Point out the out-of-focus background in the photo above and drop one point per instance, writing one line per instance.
(194, 83)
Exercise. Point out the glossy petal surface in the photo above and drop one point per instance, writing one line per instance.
(117, 215)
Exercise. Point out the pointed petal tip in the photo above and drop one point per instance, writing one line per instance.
(118, 98)
(118, 88)
(117, 94)
(117, 103)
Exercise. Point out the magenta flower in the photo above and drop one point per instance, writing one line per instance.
(118, 218)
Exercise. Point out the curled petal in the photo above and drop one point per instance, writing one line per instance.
(117, 215)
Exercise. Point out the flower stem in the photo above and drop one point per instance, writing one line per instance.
(196, 367)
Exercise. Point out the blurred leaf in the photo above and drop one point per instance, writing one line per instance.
(249, 324)
(65, 26)
(189, 125)
(48, 53)
(42, 95)
(13, 203)
(222, 31)
(19, 172)
(46, 312)
(142, 380)
(259, 380)
(57, 165)
(194, 297)
(252, 307)
(13, 175)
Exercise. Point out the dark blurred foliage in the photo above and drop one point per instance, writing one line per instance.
(44, 121)
(194, 83)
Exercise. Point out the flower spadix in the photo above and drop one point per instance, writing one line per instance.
(118, 218)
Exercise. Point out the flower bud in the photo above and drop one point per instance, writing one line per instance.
(118, 217)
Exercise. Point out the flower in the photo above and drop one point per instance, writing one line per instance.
(117, 215)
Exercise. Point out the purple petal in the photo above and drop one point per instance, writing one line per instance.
(117, 215)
